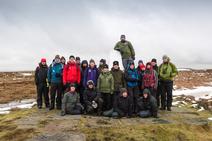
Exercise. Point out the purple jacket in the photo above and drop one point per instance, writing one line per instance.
(90, 74)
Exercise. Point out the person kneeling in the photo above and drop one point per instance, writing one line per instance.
(93, 100)
(71, 102)
(147, 105)
(122, 106)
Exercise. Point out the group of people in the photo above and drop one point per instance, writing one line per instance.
(83, 88)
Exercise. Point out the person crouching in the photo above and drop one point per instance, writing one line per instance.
(92, 100)
(147, 105)
(122, 106)
(71, 102)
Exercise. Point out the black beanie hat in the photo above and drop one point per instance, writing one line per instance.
(154, 60)
(77, 58)
(72, 56)
(115, 63)
(105, 66)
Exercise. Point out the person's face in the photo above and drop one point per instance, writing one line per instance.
(105, 70)
(115, 67)
(101, 63)
(84, 65)
(90, 86)
(145, 95)
(124, 94)
(123, 39)
(153, 63)
(148, 67)
(72, 89)
(43, 63)
(92, 64)
(72, 60)
(57, 60)
(131, 66)
(63, 61)
(78, 61)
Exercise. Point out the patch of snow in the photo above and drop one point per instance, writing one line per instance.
(184, 69)
(23, 104)
(26, 74)
(4, 112)
(204, 92)
(201, 109)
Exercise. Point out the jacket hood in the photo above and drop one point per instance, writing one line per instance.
(84, 62)
(146, 91)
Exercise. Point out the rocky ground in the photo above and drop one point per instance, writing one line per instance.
(185, 122)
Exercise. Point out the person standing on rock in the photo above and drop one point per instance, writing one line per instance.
(132, 79)
(147, 105)
(42, 84)
(71, 102)
(91, 73)
(167, 72)
(150, 79)
(105, 86)
(119, 80)
(127, 51)
(102, 62)
(55, 81)
(71, 73)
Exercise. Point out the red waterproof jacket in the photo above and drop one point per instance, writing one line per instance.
(71, 73)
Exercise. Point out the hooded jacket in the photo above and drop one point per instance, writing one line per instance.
(149, 103)
(71, 73)
(167, 71)
(132, 77)
(83, 70)
(150, 78)
(69, 101)
(126, 49)
(105, 83)
(91, 74)
(55, 73)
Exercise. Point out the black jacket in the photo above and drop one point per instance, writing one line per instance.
(123, 105)
(90, 95)
(41, 74)
(148, 103)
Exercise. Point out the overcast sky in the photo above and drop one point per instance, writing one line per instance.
(32, 29)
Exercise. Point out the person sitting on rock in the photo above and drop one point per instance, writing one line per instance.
(147, 105)
(122, 105)
(71, 102)
(92, 100)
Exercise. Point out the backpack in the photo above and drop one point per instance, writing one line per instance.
(149, 79)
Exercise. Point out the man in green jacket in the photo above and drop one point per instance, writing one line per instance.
(71, 102)
(119, 80)
(127, 51)
(167, 72)
(105, 86)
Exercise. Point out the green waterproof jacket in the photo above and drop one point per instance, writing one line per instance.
(70, 100)
(126, 49)
(105, 83)
(119, 80)
(167, 71)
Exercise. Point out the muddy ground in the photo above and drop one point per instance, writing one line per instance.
(183, 123)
